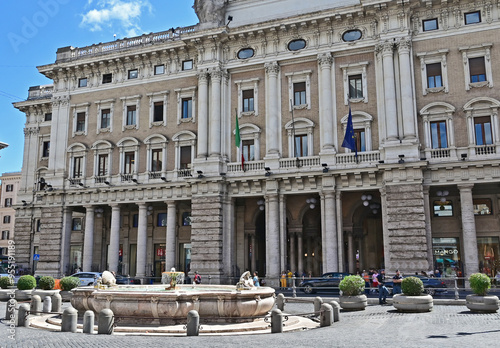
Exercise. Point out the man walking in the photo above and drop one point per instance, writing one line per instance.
(382, 290)
(397, 280)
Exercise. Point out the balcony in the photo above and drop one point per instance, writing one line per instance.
(127, 177)
(154, 175)
(74, 181)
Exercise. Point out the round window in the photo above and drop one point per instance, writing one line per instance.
(352, 35)
(245, 53)
(296, 45)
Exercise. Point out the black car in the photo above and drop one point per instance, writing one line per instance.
(121, 279)
(431, 285)
(327, 282)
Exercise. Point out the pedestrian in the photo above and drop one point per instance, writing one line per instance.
(397, 280)
(366, 278)
(382, 290)
(197, 278)
(375, 280)
(290, 275)
(283, 280)
(256, 279)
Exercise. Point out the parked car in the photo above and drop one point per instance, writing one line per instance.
(121, 279)
(431, 285)
(327, 282)
(87, 278)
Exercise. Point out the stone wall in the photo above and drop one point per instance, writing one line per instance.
(22, 239)
(50, 242)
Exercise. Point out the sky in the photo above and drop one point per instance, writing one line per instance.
(31, 31)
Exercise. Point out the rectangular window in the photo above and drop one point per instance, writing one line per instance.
(434, 76)
(299, 93)
(443, 208)
(430, 24)
(187, 107)
(129, 162)
(359, 134)
(76, 224)
(162, 220)
(102, 165)
(301, 145)
(6, 219)
(248, 102)
(156, 162)
(107, 78)
(5, 235)
(477, 69)
(131, 115)
(80, 122)
(48, 116)
(482, 127)
(187, 65)
(355, 87)
(248, 150)
(46, 149)
(133, 74)
(105, 118)
(82, 82)
(487, 252)
(38, 225)
(77, 167)
(447, 256)
(482, 206)
(9, 188)
(185, 160)
(135, 220)
(438, 135)
(158, 112)
(8, 202)
(159, 69)
(472, 17)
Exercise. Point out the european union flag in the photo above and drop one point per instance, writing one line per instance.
(349, 138)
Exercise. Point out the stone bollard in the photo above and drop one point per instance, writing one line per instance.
(276, 321)
(336, 310)
(10, 309)
(88, 322)
(56, 303)
(23, 319)
(193, 323)
(280, 302)
(47, 304)
(318, 301)
(106, 322)
(69, 320)
(36, 305)
(326, 316)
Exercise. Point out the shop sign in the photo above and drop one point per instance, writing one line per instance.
(120, 252)
(160, 252)
(443, 252)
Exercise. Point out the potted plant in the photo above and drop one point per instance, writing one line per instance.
(480, 284)
(5, 283)
(45, 287)
(352, 296)
(25, 286)
(67, 284)
(413, 298)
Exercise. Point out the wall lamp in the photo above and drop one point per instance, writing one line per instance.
(108, 183)
(464, 156)
(222, 174)
(325, 167)
(268, 171)
(98, 212)
(200, 174)
(135, 181)
(262, 204)
(401, 159)
(229, 19)
(80, 183)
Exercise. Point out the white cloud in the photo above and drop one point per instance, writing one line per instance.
(121, 15)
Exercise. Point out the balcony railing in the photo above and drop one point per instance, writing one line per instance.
(127, 177)
(154, 175)
(100, 179)
(440, 153)
(298, 162)
(75, 181)
(184, 173)
(363, 157)
(482, 150)
(248, 166)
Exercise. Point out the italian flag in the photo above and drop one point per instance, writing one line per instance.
(239, 143)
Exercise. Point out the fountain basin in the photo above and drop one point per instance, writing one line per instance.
(152, 304)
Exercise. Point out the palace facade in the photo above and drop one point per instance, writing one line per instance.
(130, 160)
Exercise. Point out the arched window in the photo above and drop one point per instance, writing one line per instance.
(102, 161)
(156, 160)
(129, 159)
(438, 130)
(77, 163)
(185, 148)
(362, 124)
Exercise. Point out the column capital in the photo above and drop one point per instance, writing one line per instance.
(465, 187)
(325, 60)
(404, 45)
(216, 74)
(142, 205)
(170, 203)
(386, 47)
(272, 68)
(203, 76)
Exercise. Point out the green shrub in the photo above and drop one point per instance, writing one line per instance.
(412, 286)
(46, 283)
(5, 282)
(69, 283)
(352, 285)
(26, 282)
(480, 283)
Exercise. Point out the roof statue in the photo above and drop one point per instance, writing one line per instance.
(210, 12)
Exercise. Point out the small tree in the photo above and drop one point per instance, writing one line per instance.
(352, 285)
(412, 286)
(480, 283)
(46, 283)
(26, 282)
(69, 283)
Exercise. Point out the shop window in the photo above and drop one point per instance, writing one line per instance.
(162, 220)
(443, 208)
(430, 24)
(487, 252)
(76, 224)
(482, 206)
(446, 253)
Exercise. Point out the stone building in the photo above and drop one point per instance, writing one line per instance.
(130, 161)
(8, 200)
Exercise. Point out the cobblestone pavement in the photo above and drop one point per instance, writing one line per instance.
(377, 326)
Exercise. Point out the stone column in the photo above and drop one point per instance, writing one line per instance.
(326, 106)
(340, 231)
(114, 238)
(293, 262)
(88, 239)
(350, 251)
(283, 231)
(300, 253)
(329, 233)
(272, 237)
(428, 226)
(229, 236)
(405, 73)
(391, 119)
(215, 114)
(170, 244)
(470, 261)
(66, 241)
(273, 117)
(142, 236)
(253, 261)
(202, 143)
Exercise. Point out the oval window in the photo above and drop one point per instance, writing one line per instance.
(352, 35)
(245, 53)
(296, 45)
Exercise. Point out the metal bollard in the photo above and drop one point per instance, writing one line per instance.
(23, 319)
(69, 320)
(326, 316)
(276, 321)
(336, 310)
(193, 323)
(47, 304)
(106, 322)
(36, 305)
(88, 322)
(318, 301)
(280, 302)
(56, 303)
